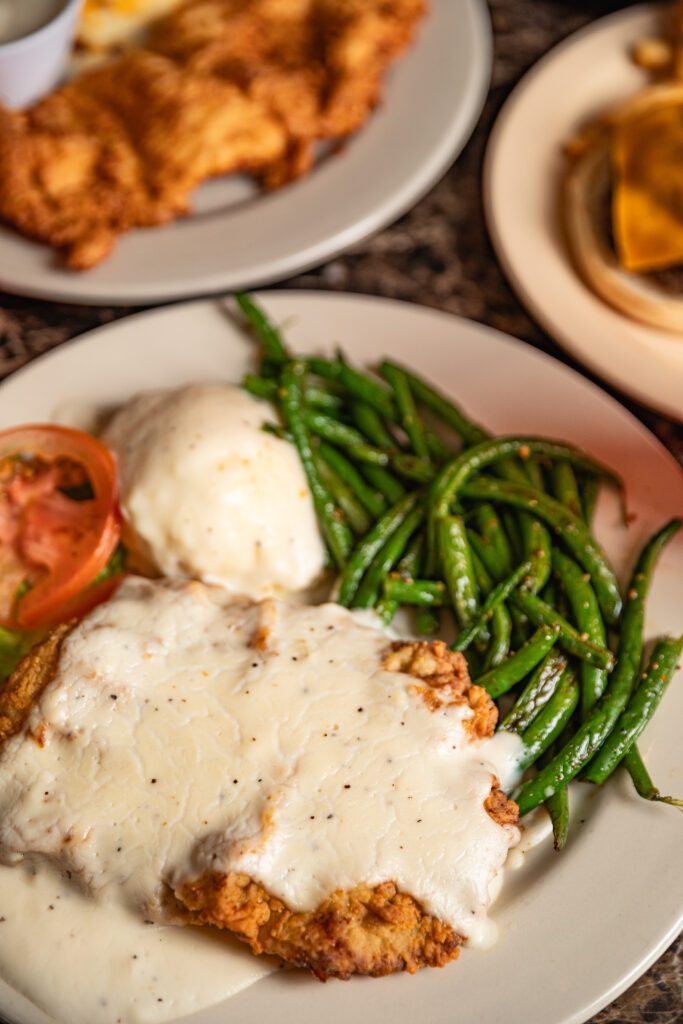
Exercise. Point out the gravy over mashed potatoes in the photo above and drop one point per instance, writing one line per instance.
(185, 734)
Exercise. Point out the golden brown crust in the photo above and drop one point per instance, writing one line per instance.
(432, 662)
(225, 86)
(364, 930)
(317, 64)
(28, 681)
(446, 674)
(123, 146)
(586, 182)
(498, 807)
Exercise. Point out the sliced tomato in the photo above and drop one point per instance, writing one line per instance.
(52, 546)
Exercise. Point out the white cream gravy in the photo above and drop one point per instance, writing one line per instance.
(173, 746)
(94, 961)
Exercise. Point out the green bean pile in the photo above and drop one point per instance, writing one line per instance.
(493, 533)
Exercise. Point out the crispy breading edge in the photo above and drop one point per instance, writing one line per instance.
(29, 679)
(365, 930)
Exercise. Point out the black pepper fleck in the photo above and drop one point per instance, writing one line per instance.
(114, 696)
(153, 780)
(330, 816)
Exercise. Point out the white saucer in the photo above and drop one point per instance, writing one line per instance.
(577, 80)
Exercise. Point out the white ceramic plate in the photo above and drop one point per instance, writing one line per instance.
(238, 237)
(577, 80)
(576, 928)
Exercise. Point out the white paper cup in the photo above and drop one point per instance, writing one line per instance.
(32, 65)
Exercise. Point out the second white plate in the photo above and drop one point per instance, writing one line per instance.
(576, 81)
(238, 237)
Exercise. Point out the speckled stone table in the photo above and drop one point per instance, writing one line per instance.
(438, 255)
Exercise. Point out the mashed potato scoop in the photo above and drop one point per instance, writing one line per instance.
(207, 494)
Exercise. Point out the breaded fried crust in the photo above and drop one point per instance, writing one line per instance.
(446, 675)
(122, 147)
(224, 86)
(318, 65)
(365, 930)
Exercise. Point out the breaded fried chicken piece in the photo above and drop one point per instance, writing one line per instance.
(223, 86)
(183, 127)
(69, 176)
(361, 38)
(373, 930)
(269, 49)
(316, 64)
(366, 930)
(122, 147)
(27, 682)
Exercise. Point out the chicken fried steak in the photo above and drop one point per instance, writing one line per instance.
(267, 769)
(122, 147)
(366, 930)
(224, 86)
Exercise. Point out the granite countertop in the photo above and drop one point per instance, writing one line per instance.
(438, 255)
